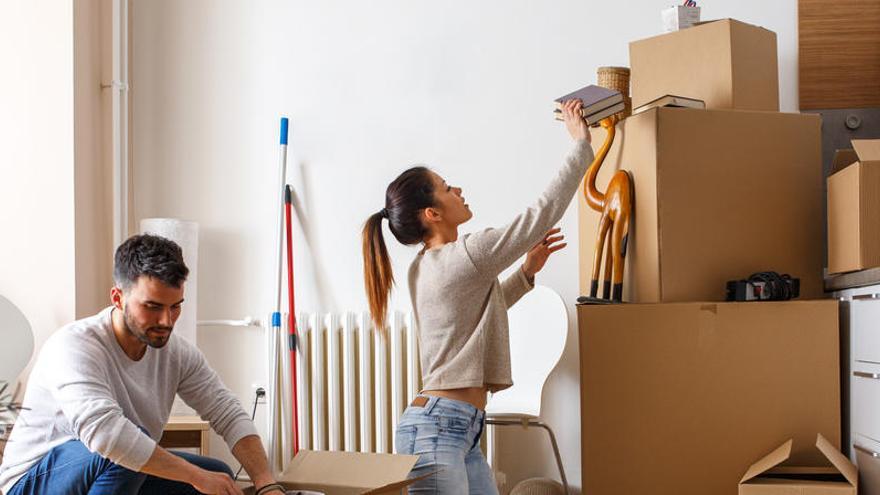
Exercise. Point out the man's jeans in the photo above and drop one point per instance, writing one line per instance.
(445, 434)
(70, 469)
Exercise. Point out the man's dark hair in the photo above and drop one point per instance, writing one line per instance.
(149, 255)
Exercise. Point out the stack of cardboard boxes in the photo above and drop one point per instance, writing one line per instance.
(681, 393)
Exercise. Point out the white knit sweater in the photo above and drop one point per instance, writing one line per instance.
(83, 386)
(459, 303)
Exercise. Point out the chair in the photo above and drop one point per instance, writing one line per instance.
(538, 330)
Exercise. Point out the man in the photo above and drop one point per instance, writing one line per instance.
(101, 391)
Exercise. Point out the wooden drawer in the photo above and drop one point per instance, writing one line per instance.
(866, 453)
(865, 328)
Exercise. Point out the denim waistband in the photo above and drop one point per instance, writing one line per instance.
(451, 407)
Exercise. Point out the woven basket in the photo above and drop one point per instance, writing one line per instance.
(617, 78)
(537, 486)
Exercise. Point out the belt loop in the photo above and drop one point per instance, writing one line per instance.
(432, 401)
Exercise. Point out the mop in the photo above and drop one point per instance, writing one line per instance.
(291, 326)
(275, 452)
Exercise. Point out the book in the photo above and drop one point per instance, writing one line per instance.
(671, 101)
(594, 118)
(594, 98)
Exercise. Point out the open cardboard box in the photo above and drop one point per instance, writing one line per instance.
(349, 473)
(766, 477)
(854, 208)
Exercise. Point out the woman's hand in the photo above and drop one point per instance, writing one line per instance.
(538, 255)
(577, 126)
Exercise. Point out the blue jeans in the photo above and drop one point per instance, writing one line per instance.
(70, 469)
(445, 434)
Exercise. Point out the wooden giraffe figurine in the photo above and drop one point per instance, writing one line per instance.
(615, 205)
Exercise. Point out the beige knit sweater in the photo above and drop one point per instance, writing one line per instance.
(460, 305)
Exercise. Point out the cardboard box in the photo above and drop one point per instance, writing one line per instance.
(681, 398)
(765, 478)
(727, 63)
(719, 195)
(854, 208)
(679, 17)
(348, 473)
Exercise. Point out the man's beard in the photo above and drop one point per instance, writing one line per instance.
(142, 334)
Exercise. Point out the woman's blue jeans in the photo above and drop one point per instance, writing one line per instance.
(70, 469)
(445, 434)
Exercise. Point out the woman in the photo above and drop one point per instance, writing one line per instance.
(461, 307)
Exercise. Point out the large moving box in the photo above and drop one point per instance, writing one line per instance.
(682, 398)
(728, 64)
(719, 195)
(854, 208)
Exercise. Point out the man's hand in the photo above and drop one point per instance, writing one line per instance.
(215, 483)
(249, 451)
(538, 255)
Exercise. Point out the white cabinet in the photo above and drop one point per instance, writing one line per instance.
(865, 400)
(865, 328)
(860, 351)
(866, 453)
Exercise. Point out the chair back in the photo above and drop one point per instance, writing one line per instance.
(538, 331)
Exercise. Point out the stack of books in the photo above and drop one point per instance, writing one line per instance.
(598, 103)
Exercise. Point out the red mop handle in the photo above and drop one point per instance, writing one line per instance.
(291, 327)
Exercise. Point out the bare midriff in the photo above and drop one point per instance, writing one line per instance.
(476, 396)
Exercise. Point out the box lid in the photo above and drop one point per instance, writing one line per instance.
(838, 460)
(781, 454)
(768, 462)
(868, 150)
(349, 472)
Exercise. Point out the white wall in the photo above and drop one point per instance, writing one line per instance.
(371, 87)
(93, 188)
(37, 163)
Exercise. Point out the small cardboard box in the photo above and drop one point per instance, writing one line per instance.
(348, 473)
(719, 195)
(765, 478)
(679, 399)
(854, 208)
(727, 63)
(679, 17)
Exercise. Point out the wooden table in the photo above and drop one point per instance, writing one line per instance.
(186, 432)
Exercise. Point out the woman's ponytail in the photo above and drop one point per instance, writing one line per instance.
(409, 194)
(378, 277)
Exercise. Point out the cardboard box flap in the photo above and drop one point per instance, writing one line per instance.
(769, 461)
(867, 149)
(396, 486)
(365, 472)
(843, 159)
(846, 468)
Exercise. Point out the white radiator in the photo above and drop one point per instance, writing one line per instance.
(353, 384)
